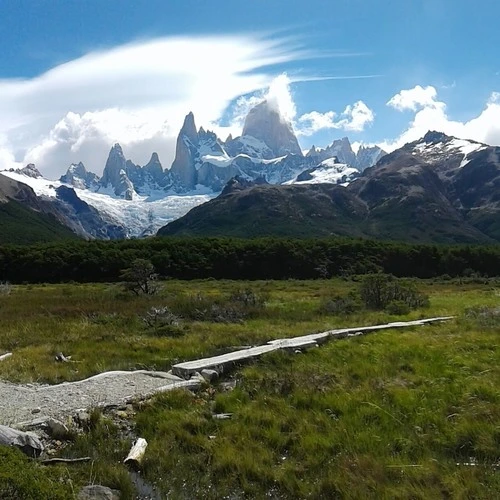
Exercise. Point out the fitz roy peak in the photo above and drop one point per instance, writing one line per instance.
(265, 123)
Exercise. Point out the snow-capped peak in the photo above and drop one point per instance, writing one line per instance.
(436, 146)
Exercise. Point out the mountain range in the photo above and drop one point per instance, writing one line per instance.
(436, 189)
(131, 200)
(439, 189)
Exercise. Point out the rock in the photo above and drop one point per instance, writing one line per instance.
(98, 492)
(83, 418)
(27, 442)
(209, 375)
(57, 429)
(196, 376)
(62, 358)
(78, 176)
(228, 385)
(36, 410)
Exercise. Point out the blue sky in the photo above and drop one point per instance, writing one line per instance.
(76, 76)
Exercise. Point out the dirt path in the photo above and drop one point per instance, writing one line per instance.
(22, 403)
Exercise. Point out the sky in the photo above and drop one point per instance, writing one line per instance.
(78, 76)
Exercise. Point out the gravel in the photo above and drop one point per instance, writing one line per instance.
(22, 403)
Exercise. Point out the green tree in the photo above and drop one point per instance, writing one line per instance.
(140, 277)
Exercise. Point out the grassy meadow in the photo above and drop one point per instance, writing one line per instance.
(395, 414)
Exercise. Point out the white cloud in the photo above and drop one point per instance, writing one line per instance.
(354, 118)
(136, 94)
(415, 98)
(431, 114)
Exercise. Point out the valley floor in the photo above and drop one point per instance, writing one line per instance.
(397, 414)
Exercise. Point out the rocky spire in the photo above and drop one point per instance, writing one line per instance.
(115, 172)
(155, 169)
(183, 167)
(265, 123)
(78, 176)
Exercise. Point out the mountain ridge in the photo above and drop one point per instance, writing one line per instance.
(438, 189)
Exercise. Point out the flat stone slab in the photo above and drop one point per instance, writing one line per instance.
(225, 361)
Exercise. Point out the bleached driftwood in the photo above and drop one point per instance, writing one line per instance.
(28, 443)
(5, 356)
(136, 453)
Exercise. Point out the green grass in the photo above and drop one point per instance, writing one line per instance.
(389, 415)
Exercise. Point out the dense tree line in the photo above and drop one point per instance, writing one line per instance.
(266, 258)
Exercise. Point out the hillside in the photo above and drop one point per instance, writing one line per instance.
(265, 210)
(21, 221)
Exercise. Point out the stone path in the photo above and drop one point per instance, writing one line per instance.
(23, 403)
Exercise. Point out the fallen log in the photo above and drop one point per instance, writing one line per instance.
(5, 356)
(57, 460)
(28, 443)
(136, 453)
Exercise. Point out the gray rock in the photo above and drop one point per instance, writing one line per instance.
(265, 123)
(98, 492)
(83, 418)
(57, 429)
(27, 442)
(209, 375)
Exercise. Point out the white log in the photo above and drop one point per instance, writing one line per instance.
(28, 443)
(5, 356)
(136, 453)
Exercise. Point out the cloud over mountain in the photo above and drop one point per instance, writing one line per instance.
(432, 114)
(135, 93)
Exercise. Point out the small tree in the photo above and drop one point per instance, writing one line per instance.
(140, 277)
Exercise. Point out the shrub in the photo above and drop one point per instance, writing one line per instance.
(398, 308)
(22, 478)
(163, 322)
(248, 298)
(233, 309)
(160, 316)
(377, 291)
(488, 317)
(5, 288)
(340, 305)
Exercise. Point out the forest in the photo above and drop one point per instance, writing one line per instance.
(232, 258)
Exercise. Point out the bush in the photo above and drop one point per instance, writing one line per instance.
(398, 308)
(340, 305)
(377, 291)
(5, 288)
(248, 298)
(488, 317)
(232, 309)
(163, 322)
(23, 478)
